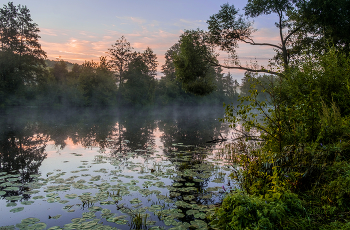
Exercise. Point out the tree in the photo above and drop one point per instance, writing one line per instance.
(60, 72)
(120, 55)
(150, 59)
(193, 64)
(168, 69)
(140, 85)
(324, 20)
(18, 33)
(97, 84)
(21, 56)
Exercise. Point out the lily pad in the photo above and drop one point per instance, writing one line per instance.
(70, 196)
(56, 217)
(135, 201)
(30, 220)
(11, 189)
(14, 210)
(27, 202)
(37, 226)
(11, 204)
(13, 197)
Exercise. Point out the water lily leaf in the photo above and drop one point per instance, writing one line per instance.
(70, 196)
(13, 197)
(51, 200)
(135, 201)
(67, 207)
(56, 217)
(55, 228)
(169, 221)
(191, 212)
(52, 195)
(95, 209)
(30, 220)
(200, 215)
(89, 215)
(11, 189)
(2, 193)
(200, 224)
(27, 202)
(188, 197)
(38, 197)
(14, 210)
(37, 226)
(134, 188)
(109, 202)
(218, 180)
(11, 204)
(118, 220)
(181, 226)
(95, 178)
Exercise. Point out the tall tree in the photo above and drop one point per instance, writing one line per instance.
(18, 32)
(168, 69)
(60, 72)
(150, 59)
(120, 56)
(193, 64)
(21, 56)
(140, 85)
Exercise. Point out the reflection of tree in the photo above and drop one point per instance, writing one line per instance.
(22, 150)
(134, 131)
(192, 126)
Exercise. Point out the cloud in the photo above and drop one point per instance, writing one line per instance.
(84, 45)
(136, 20)
(49, 32)
(190, 24)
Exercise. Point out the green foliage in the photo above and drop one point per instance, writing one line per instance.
(21, 56)
(97, 83)
(140, 85)
(304, 150)
(242, 211)
(192, 64)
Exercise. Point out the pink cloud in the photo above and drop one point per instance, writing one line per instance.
(49, 32)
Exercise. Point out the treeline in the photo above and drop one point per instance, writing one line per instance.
(123, 77)
(133, 82)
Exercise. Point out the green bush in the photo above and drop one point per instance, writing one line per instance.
(243, 211)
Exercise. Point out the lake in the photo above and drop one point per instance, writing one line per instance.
(112, 169)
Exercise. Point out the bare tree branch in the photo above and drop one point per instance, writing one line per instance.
(246, 68)
(251, 42)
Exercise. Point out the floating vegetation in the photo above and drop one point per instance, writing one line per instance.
(154, 192)
(11, 204)
(14, 210)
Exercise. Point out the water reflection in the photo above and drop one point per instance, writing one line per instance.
(164, 149)
(22, 151)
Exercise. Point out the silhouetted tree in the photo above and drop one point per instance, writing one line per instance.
(21, 56)
(120, 56)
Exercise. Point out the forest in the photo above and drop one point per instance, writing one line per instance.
(122, 77)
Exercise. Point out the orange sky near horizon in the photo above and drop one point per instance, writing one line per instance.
(78, 31)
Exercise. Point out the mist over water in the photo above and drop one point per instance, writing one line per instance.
(79, 168)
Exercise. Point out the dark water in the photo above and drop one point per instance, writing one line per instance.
(111, 169)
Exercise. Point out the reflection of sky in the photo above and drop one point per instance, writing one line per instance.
(77, 30)
(62, 160)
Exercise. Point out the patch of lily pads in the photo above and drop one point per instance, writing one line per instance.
(165, 191)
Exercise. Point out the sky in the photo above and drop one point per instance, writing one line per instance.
(79, 30)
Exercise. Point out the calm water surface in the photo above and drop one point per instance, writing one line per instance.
(111, 169)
